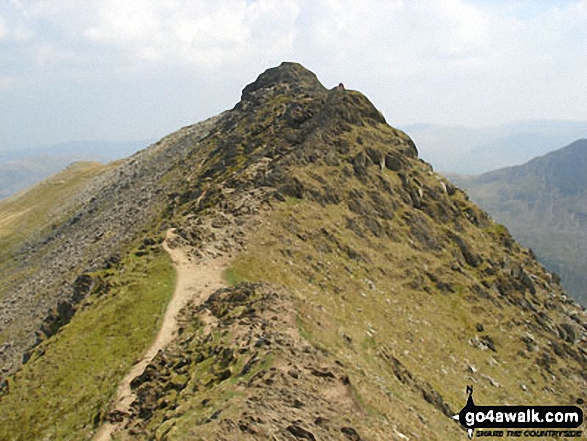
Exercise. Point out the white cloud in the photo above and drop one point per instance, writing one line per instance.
(48, 53)
(208, 34)
(23, 33)
(20, 7)
(202, 33)
(445, 60)
(150, 53)
(124, 22)
(470, 27)
(186, 29)
(3, 29)
(16, 31)
(7, 82)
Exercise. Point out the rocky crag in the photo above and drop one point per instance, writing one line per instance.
(366, 290)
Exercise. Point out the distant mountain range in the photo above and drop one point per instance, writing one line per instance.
(19, 169)
(544, 204)
(465, 150)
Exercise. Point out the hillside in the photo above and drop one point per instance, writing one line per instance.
(19, 169)
(544, 204)
(19, 174)
(362, 291)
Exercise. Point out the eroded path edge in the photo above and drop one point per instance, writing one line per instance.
(196, 279)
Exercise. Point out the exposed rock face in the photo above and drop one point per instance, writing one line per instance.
(292, 77)
(368, 291)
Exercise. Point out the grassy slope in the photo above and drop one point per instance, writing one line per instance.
(34, 210)
(543, 204)
(57, 396)
(17, 175)
(558, 242)
(383, 307)
(379, 289)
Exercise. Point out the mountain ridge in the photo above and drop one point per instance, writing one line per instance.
(19, 169)
(366, 290)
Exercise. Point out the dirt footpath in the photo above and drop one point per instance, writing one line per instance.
(195, 281)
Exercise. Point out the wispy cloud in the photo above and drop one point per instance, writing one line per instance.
(7, 82)
(201, 33)
(49, 53)
(445, 61)
(205, 33)
(3, 29)
(22, 33)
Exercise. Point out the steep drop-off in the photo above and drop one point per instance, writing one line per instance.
(544, 204)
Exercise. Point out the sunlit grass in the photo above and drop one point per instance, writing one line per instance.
(61, 394)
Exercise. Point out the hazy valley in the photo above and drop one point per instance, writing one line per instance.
(544, 204)
(470, 151)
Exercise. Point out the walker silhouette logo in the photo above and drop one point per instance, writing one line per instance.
(512, 418)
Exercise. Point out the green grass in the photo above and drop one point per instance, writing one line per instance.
(497, 229)
(34, 212)
(233, 276)
(60, 395)
(291, 200)
(35, 209)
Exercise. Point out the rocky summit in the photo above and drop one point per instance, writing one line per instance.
(287, 270)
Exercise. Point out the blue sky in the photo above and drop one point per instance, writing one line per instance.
(139, 69)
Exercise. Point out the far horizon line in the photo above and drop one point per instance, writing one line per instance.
(148, 140)
(499, 124)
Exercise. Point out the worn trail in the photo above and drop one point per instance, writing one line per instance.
(195, 282)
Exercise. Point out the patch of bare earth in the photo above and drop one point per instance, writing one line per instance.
(196, 280)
